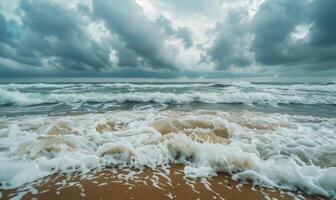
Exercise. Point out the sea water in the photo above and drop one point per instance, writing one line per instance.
(280, 135)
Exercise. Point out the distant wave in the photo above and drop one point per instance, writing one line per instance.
(220, 85)
(33, 85)
(107, 85)
(154, 85)
(326, 87)
(228, 97)
(330, 83)
(302, 87)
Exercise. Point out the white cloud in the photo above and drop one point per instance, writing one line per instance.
(301, 32)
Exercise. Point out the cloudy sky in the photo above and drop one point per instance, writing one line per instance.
(168, 38)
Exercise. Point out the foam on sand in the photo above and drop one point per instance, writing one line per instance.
(273, 150)
(147, 184)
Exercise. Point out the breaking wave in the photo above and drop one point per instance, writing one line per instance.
(233, 96)
(274, 150)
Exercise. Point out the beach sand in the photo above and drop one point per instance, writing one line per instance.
(147, 184)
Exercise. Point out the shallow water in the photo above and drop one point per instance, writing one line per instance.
(277, 135)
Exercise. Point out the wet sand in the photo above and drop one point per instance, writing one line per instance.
(147, 184)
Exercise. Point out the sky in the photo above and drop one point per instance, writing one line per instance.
(266, 39)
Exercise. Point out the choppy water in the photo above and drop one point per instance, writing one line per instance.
(41, 98)
(278, 135)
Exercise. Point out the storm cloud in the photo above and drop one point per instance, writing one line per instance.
(259, 38)
(53, 36)
(299, 32)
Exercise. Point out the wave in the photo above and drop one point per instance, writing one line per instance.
(302, 87)
(327, 87)
(18, 98)
(225, 97)
(274, 150)
(221, 85)
(107, 85)
(34, 85)
(154, 85)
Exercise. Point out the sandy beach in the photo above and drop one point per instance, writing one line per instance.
(147, 184)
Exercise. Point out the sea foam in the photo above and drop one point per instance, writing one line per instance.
(229, 96)
(273, 150)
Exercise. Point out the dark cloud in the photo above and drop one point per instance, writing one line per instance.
(229, 49)
(8, 33)
(272, 26)
(284, 37)
(275, 23)
(323, 17)
(53, 34)
(62, 37)
(273, 44)
(5, 32)
(182, 33)
(126, 19)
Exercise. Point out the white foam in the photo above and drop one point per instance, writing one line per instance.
(227, 96)
(33, 85)
(204, 170)
(235, 92)
(17, 98)
(302, 87)
(152, 85)
(273, 150)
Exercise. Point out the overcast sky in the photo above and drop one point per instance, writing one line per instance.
(168, 38)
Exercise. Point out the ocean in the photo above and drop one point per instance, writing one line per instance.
(64, 98)
(279, 135)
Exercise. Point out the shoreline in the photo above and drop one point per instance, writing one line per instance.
(147, 184)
